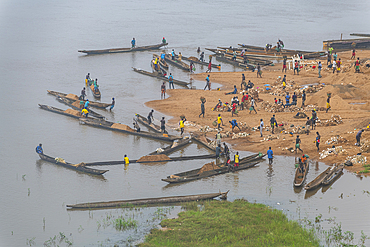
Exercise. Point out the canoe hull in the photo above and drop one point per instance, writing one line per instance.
(122, 50)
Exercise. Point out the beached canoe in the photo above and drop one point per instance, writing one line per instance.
(161, 77)
(147, 201)
(300, 177)
(144, 121)
(176, 145)
(74, 104)
(319, 179)
(195, 174)
(120, 50)
(217, 66)
(177, 63)
(75, 97)
(235, 63)
(334, 175)
(347, 44)
(126, 129)
(79, 167)
(203, 140)
(68, 112)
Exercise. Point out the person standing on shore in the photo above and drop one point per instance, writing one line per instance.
(219, 121)
(303, 97)
(328, 107)
(253, 104)
(353, 54)
(308, 125)
(358, 137)
(261, 126)
(284, 64)
(163, 90)
(284, 82)
(298, 144)
(335, 57)
(287, 98)
(270, 155)
(218, 138)
(202, 109)
(339, 62)
(208, 83)
(296, 67)
(163, 125)
(273, 123)
(313, 119)
(259, 72)
(243, 84)
(170, 81)
(318, 141)
(319, 67)
(334, 66)
(357, 65)
(218, 151)
(329, 58)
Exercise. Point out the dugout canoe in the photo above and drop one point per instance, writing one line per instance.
(300, 177)
(162, 63)
(203, 140)
(69, 102)
(237, 64)
(144, 121)
(319, 179)
(97, 93)
(181, 158)
(176, 145)
(273, 49)
(60, 111)
(245, 163)
(120, 50)
(177, 63)
(147, 201)
(251, 59)
(79, 167)
(334, 175)
(347, 44)
(92, 103)
(177, 82)
(110, 126)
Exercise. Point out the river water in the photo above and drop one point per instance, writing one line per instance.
(38, 52)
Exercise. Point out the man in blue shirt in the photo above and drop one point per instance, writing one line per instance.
(170, 80)
(87, 104)
(208, 84)
(133, 43)
(270, 155)
(39, 149)
(287, 98)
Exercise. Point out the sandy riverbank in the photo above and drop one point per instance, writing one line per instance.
(346, 87)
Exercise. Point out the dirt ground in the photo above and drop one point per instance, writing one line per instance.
(349, 100)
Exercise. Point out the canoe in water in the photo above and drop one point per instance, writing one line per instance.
(120, 50)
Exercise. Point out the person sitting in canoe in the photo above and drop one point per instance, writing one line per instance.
(133, 43)
(84, 112)
(39, 149)
(164, 41)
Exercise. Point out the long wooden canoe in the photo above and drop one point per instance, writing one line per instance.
(203, 140)
(69, 102)
(272, 50)
(79, 167)
(144, 121)
(334, 175)
(176, 145)
(192, 175)
(347, 44)
(120, 50)
(180, 158)
(60, 111)
(319, 179)
(217, 66)
(147, 201)
(251, 59)
(96, 93)
(108, 125)
(92, 103)
(300, 177)
(177, 82)
(177, 63)
(237, 64)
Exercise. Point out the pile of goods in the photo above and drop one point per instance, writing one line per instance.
(60, 160)
(121, 127)
(365, 147)
(208, 167)
(357, 159)
(333, 121)
(332, 151)
(336, 140)
(72, 96)
(73, 112)
(239, 135)
(157, 157)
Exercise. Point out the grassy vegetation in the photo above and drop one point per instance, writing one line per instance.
(237, 223)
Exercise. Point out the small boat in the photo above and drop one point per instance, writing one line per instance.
(126, 129)
(75, 97)
(120, 50)
(147, 201)
(334, 175)
(68, 112)
(299, 176)
(144, 121)
(177, 63)
(73, 104)
(319, 179)
(195, 174)
(176, 145)
(161, 77)
(79, 167)
(96, 92)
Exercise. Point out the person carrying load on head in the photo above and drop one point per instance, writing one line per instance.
(39, 149)
(133, 43)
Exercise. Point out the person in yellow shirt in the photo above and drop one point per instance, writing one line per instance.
(85, 112)
(127, 161)
(236, 161)
(219, 121)
(182, 125)
(180, 56)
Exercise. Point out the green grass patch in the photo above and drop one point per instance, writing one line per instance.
(238, 223)
(366, 170)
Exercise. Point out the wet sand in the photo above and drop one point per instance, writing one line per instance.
(346, 87)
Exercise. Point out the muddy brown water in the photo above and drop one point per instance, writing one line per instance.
(39, 52)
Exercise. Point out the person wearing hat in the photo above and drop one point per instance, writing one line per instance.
(39, 149)
(112, 105)
(164, 41)
(133, 43)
